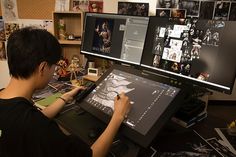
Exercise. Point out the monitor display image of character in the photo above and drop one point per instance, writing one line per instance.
(102, 42)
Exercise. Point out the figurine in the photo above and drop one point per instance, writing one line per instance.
(74, 68)
(62, 66)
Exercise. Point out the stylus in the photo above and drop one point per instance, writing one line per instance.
(118, 96)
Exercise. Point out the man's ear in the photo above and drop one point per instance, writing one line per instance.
(42, 67)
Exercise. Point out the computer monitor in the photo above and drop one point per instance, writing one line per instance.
(153, 100)
(115, 37)
(199, 52)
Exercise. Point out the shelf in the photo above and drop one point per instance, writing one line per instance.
(66, 24)
(73, 24)
(70, 42)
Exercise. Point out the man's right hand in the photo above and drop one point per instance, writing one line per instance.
(122, 106)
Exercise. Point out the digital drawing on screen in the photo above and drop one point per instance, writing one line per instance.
(102, 42)
(154, 99)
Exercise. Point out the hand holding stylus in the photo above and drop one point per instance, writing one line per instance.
(122, 106)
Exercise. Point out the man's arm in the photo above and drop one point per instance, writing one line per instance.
(103, 143)
(52, 110)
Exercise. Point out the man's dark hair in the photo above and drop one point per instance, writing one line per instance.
(28, 47)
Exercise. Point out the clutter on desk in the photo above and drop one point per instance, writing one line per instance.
(176, 144)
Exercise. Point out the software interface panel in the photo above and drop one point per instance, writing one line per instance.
(116, 37)
(149, 98)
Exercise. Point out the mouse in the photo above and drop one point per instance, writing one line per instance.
(94, 133)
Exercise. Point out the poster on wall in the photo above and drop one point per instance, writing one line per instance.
(192, 7)
(41, 24)
(2, 30)
(81, 5)
(202, 9)
(179, 13)
(62, 5)
(206, 10)
(163, 12)
(9, 10)
(2, 51)
(95, 6)
(232, 15)
(167, 4)
(10, 27)
(221, 10)
(130, 8)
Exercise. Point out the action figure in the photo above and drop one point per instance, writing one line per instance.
(61, 68)
(74, 68)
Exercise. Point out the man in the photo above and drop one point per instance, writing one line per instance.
(26, 131)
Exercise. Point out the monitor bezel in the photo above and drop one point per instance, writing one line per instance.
(103, 56)
(182, 78)
(142, 140)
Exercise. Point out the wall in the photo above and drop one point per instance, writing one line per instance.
(4, 79)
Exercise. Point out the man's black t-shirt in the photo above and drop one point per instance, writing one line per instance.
(26, 132)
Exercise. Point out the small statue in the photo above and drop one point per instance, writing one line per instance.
(74, 67)
(62, 66)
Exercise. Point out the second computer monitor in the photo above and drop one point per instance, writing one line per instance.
(115, 37)
(196, 51)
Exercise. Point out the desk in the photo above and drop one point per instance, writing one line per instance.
(218, 116)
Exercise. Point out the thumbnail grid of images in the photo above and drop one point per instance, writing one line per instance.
(181, 42)
(203, 9)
